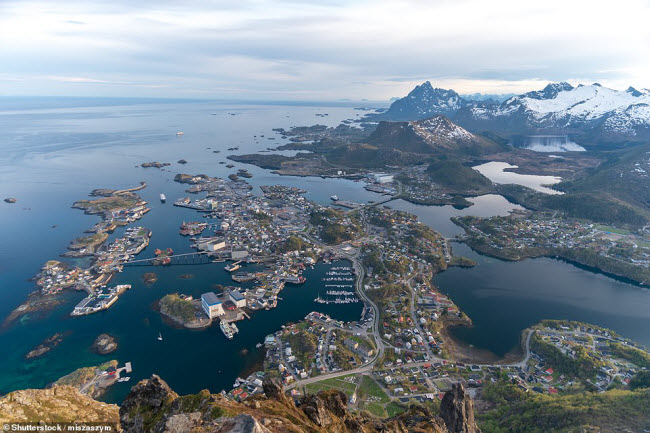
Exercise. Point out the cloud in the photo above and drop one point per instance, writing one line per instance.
(332, 49)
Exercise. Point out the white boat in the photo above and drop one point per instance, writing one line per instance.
(124, 379)
(159, 336)
(180, 133)
(226, 329)
(234, 328)
(162, 197)
(334, 197)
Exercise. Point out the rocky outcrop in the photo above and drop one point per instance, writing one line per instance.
(457, 411)
(56, 404)
(152, 406)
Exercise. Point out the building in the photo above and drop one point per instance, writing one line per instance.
(237, 298)
(211, 244)
(211, 305)
(382, 178)
(238, 254)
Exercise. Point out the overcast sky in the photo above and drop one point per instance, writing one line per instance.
(317, 50)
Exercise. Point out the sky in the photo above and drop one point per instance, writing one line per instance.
(317, 50)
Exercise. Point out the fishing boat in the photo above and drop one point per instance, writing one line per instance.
(334, 197)
(226, 329)
(159, 336)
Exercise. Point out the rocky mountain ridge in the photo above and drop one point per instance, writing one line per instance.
(435, 135)
(152, 406)
(593, 111)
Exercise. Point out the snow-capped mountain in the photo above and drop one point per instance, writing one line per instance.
(563, 106)
(594, 112)
(425, 101)
(436, 135)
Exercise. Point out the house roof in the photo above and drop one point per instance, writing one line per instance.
(210, 298)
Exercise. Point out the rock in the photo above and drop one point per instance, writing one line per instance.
(155, 164)
(149, 278)
(56, 404)
(104, 344)
(243, 424)
(47, 345)
(181, 161)
(457, 411)
(147, 401)
(273, 391)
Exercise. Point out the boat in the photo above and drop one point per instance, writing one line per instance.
(124, 379)
(232, 268)
(180, 133)
(258, 345)
(334, 197)
(234, 328)
(159, 336)
(162, 197)
(226, 329)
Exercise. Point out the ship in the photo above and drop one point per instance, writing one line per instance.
(233, 267)
(124, 379)
(225, 328)
(180, 133)
(162, 197)
(159, 336)
(334, 197)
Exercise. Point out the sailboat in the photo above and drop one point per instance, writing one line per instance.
(159, 336)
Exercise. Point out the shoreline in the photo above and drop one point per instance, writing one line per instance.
(468, 354)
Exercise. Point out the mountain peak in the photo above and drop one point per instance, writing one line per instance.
(632, 91)
(550, 91)
(425, 101)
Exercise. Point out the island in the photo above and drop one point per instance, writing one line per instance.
(155, 164)
(104, 344)
(45, 346)
(184, 311)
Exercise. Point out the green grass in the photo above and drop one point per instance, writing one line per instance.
(334, 383)
(376, 409)
(372, 389)
(394, 408)
(612, 229)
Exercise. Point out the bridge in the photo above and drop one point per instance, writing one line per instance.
(195, 258)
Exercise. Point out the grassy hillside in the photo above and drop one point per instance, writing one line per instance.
(459, 179)
(595, 205)
(516, 412)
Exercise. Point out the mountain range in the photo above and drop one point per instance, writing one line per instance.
(589, 113)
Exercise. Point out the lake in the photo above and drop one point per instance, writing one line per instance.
(496, 172)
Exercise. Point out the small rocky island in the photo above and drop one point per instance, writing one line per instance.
(181, 161)
(104, 344)
(184, 311)
(47, 345)
(149, 278)
(155, 164)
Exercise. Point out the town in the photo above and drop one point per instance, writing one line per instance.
(610, 249)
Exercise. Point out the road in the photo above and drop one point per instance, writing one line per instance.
(360, 273)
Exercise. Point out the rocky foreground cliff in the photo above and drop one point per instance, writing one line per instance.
(152, 406)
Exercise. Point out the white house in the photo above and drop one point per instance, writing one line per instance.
(237, 298)
(211, 305)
